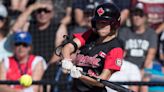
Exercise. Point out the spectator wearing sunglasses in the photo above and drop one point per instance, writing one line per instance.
(155, 13)
(5, 40)
(140, 41)
(42, 27)
(22, 62)
(44, 30)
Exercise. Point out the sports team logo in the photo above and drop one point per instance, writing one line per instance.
(118, 62)
(22, 35)
(102, 54)
(100, 11)
(82, 60)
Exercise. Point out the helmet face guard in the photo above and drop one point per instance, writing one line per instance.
(108, 13)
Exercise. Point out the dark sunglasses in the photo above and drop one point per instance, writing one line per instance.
(43, 10)
(2, 18)
(21, 44)
(138, 12)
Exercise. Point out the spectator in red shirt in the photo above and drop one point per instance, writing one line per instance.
(22, 62)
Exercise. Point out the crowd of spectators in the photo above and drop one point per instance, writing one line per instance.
(48, 21)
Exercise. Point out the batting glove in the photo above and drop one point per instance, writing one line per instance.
(67, 64)
(76, 72)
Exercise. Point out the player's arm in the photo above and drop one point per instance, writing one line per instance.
(5, 88)
(78, 41)
(61, 32)
(69, 48)
(59, 38)
(66, 53)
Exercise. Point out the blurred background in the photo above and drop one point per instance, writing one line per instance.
(49, 20)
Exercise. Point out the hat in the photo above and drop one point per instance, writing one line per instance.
(90, 7)
(138, 10)
(23, 37)
(3, 11)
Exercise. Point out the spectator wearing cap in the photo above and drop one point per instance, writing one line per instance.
(140, 41)
(5, 40)
(44, 30)
(43, 27)
(22, 62)
(154, 10)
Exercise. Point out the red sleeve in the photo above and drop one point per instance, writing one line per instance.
(83, 37)
(113, 60)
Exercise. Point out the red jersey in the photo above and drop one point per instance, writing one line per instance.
(93, 58)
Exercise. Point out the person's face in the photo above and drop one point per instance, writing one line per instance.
(22, 49)
(103, 28)
(138, 20)
(2, 22)
(44, 15)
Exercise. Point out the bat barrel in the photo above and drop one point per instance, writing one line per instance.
(115, 86)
